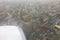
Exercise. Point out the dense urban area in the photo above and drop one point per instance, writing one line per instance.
(39, 21)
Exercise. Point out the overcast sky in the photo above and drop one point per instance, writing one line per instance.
(43, 1)
(25, 0)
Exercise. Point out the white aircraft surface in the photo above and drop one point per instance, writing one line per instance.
(11, 33)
